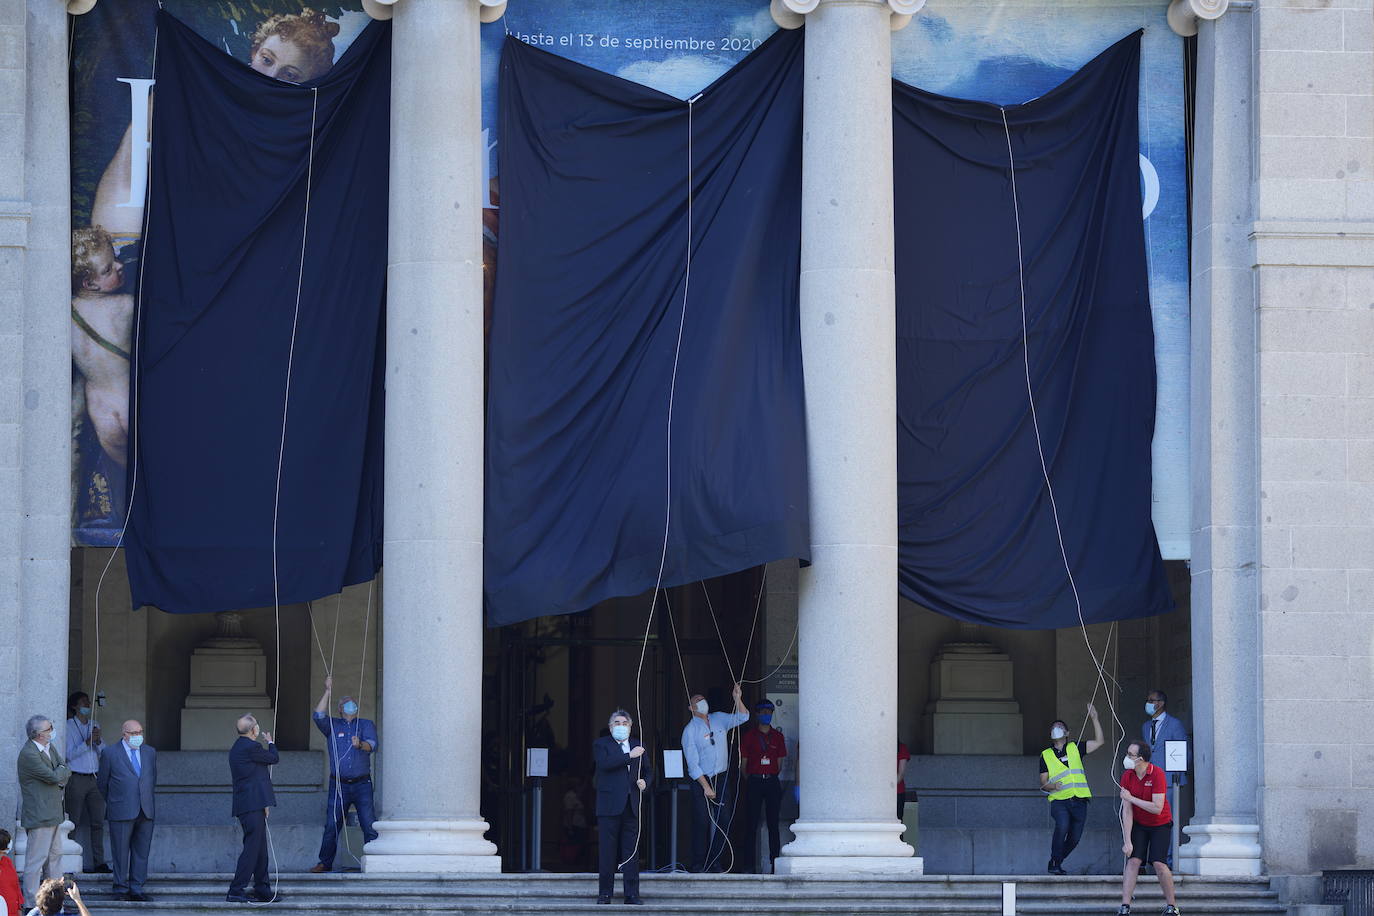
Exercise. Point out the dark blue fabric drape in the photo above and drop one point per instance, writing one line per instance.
(589, 302)
(978, 539)
(222, 260)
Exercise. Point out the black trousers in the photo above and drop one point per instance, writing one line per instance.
(765, 792)
(617, 835)
(253, 860)
(85, 805)
(711, 850)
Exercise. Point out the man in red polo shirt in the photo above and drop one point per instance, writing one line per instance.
(1146, 824)
(763, 749)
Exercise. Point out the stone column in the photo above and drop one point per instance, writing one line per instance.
(1225, 591)
(848, 597)
(44, 444)
(432, 667)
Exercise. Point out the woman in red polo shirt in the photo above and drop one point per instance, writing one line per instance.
(1146, 824)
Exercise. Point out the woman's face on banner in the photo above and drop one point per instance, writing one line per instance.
(281, 59)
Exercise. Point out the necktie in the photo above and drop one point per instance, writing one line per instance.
(1154, 730)
(138, 764)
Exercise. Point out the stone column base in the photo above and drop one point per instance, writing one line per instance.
(1221, 849)
(443, 846)
(848, 848)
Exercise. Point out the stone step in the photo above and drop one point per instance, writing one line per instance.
(690, 895)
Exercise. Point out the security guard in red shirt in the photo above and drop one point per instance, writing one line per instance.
(763, 749)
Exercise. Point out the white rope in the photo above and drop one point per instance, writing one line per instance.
(1102, 675)
(668, 465)
(281, 453)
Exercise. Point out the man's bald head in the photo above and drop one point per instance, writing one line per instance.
(246, 724)
(133, 727)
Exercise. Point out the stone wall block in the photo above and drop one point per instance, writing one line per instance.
(1293, 114)
(1302, 459)
(1276, 547)
(1314, 330)
(1303, 417)
(1304, 589)
(1304, 503)
(1286, 373)
(1317, 157)
(1340, 548)
(1302, 30)
(1349, 73)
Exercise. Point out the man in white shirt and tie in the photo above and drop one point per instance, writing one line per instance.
(85, 806)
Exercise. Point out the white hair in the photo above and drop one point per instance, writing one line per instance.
(619, 713)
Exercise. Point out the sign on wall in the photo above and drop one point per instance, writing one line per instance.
(1005, 51)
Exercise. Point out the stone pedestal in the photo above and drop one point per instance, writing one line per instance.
(973, 709)
(71, 850)
(228, 679)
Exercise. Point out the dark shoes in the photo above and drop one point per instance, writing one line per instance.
(634, 901)
(603, 899)
(1054, 868)
(1171, 910)
(268, 896)
(238, 898)
(101, 869)
(319, 868)
(138, 898)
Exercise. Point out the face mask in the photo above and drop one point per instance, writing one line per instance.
(1149, 709)
(1128, 762)
(84, 710)
(1056, 733)
(703, 707)
(766, 718)
(135, 741)
(350, 709)
(620, 732)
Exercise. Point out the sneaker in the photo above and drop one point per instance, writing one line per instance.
(1054, 868)
(1125, 910)
(1171, 910)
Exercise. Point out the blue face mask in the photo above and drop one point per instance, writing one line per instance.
(620, 732)
(766, 718)
(350, 709)
(1149, 709)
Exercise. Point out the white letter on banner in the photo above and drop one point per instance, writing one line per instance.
(138, 152)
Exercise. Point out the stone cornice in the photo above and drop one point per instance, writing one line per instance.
(14, 223)
(489, 10)
(790, 14)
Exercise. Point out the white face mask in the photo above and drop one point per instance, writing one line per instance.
(703, 707)
(1128, 762)
(135, 741)
(1057, 732)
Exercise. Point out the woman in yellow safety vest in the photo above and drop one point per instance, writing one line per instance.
(1062, 776)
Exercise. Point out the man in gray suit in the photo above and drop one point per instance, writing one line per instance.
(43, 774)
(127, 777)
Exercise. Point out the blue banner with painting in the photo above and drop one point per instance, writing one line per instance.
(996, 50)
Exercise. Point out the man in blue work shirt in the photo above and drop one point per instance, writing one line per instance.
(705, 747)
(351, 742)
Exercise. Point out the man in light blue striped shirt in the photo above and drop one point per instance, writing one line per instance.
(705, 746)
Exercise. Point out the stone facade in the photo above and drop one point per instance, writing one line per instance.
(1282, 572)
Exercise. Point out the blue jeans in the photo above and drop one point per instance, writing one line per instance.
(1070, 815)
(341, 796)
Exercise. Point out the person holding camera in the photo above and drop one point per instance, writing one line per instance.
(55, 892)
(85, 803)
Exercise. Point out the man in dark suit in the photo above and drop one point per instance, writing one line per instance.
(622, 774)
(126, 779)
(253, 795)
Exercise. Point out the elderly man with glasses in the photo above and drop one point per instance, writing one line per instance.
(43, 776)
